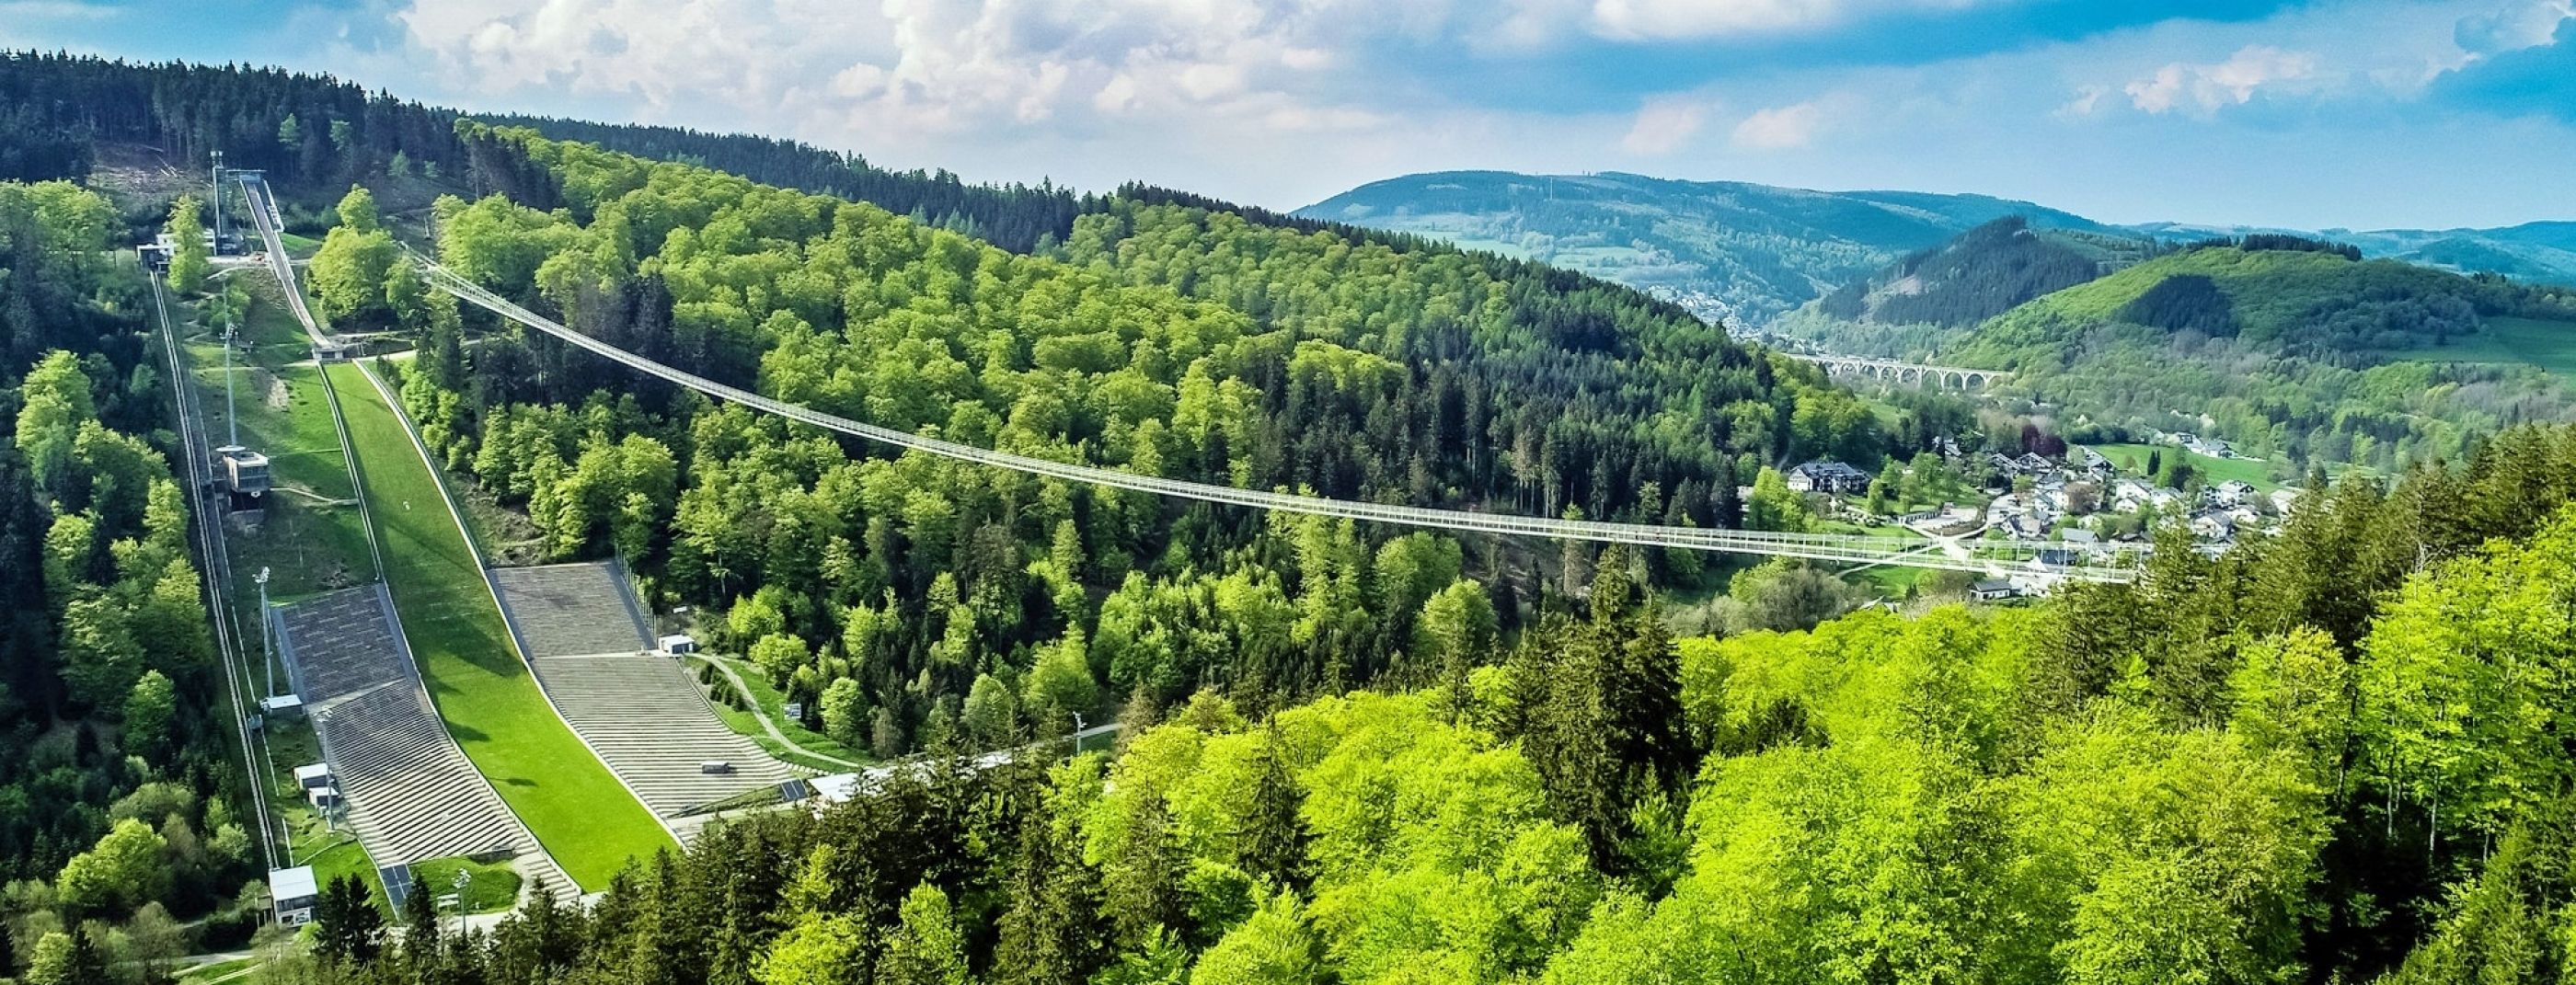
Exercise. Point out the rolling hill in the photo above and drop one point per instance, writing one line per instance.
(1750, 253)
(2543, 252)
(1733, 250)
(2299, 352)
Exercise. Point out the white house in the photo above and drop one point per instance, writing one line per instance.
(292, 895)
(1828, 477)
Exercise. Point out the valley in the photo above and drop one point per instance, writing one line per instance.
(458, 547)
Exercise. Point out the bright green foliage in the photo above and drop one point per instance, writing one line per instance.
(992, 711)
(1774, 506)
(189, 262)
(1460, 875)
(350, 273)
(150, 710)
(2464, 684)
(1863, 823)
(845, 712)
(123, 870)
(54, 401)
(1456, 629)
(819, 950)
(779, 654)
(358, 212)
(1060, 686)
(496, 243)
(925, 948)
(1274, 947)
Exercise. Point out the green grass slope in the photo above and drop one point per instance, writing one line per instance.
(584, 817)
(2547, 344)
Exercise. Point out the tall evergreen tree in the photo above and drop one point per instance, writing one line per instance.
(351, 929)
(1272, 845)
(420, 926)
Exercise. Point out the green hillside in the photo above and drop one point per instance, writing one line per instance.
(2298, 352)
(1981, 273)
(2296, 298)
(1741, 251)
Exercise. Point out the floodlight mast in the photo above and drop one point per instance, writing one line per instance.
(215, 184)
(268, 646)
(232, 412)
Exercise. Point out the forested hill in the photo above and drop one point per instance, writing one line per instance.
(302, 129)
(2333, 756)
(2306, 298)
(2535, 251)
(1019, 218)
(2294, 349)
(1743, 251)
(912, 601)
(1981, 273)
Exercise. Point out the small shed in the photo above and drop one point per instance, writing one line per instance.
(677, 644)
(245, 471)
(323, 798)
(1991, 590)
(311, 775)
(284, 704)
(293, 894)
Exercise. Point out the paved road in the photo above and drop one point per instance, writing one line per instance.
(763, 716)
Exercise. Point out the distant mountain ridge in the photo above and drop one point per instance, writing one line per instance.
(1730, 249)
(1749, 253)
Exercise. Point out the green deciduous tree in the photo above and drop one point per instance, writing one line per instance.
(1276, 946)
(845, 712)
(123, 870)
(925, 947)
(54, 401)
(818, 950)
(150, 710)
(189, 263)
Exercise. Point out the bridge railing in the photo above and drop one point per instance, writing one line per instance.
(1980, 556)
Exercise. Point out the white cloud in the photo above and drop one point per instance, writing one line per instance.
(2205, 88)
(2087, 100)
(1779, 127)
(1664, 124)
(2519, 25)
(1676, 19)
(54, 10)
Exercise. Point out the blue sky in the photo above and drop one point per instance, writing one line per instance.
(2333, 113)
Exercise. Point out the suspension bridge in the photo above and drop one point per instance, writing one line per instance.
(1981, 556)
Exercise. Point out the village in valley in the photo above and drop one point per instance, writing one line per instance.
(2092, 501)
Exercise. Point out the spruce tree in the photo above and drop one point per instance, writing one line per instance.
(420, 925)
(87, 966)
(1141, 884)
(351, 927)
(1273, 845)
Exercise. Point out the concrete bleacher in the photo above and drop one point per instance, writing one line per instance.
(639, 709)
(412, 794)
